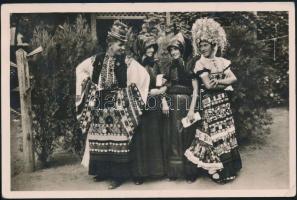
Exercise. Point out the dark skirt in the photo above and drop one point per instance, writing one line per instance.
(109, 169)
(178, 139)
(147, 143)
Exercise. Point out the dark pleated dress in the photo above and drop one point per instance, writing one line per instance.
(178, 139)
(147, 144)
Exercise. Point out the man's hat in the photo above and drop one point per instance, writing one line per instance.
(119, 31)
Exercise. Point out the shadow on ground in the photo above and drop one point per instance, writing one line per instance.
(265, 166)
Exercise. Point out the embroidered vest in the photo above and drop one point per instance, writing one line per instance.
(120, 69)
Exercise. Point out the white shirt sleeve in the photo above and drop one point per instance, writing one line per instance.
(83, 71)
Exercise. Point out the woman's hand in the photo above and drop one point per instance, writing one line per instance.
(156, 91)
(214, 83)
(162, 90)
(190, 115)
(164, 81)
(165, 107)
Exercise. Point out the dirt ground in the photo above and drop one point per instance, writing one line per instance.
(265, 166)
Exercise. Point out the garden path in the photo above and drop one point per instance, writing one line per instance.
(265, 166)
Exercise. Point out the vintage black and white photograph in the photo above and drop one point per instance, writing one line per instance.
(151, 100)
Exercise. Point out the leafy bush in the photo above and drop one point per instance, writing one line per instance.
(262, 81)
(275, 25)
(251, 97)
(53, 97)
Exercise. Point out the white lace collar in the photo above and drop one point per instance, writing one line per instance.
(209, 63)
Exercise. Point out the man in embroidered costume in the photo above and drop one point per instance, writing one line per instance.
(111, 91)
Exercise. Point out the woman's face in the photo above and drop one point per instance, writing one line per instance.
(206, 49)
(175, 53)
(150, 51)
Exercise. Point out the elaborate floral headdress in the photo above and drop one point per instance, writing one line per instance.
(207, 29)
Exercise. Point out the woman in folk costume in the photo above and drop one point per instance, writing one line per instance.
(111, 91)
(148, 160)
(181, 86)
(215, 147)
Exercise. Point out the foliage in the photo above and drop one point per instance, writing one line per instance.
(250, 99)
(275, 25)
(261, 80)
(53, 96)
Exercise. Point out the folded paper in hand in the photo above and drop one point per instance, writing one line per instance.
(159, 80)
(186, 122)
(229, 88)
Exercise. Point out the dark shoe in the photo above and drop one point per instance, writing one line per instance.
(98, 179)
(190, 180)
(217, 178)
(114, 184)
(138, 181)
(172, 178)
(229, 179)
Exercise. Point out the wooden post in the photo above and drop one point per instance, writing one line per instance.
(167, 18)
(26, 111)
(256, 26)
(93, 26)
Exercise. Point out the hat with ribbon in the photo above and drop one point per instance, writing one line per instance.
(119, 31)
(177, 41)
(146, 41)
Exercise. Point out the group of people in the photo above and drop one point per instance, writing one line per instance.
(131, 109)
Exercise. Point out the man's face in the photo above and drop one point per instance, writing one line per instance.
(117, 47)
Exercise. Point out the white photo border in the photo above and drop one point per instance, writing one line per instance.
(7, 9)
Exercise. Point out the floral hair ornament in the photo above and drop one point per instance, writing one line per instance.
(207, 29)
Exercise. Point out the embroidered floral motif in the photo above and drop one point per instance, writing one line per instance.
(107, 79)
